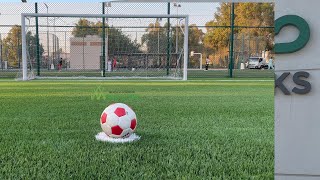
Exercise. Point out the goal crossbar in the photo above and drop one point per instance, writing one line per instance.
(105, 15)
(24, 43)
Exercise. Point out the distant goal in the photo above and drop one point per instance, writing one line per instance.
(104, 46)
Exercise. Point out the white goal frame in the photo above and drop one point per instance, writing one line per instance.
(24, 42)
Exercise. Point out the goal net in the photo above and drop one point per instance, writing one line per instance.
(104, 46)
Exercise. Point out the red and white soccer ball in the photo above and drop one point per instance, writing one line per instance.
(118, 121)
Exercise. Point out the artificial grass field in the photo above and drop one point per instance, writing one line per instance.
(192, 73)
(190, 130)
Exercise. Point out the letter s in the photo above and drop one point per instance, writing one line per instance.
(298, 81)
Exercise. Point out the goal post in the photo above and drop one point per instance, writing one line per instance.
(24, 49)
(143, 65)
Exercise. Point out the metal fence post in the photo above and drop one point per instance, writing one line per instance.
(231, 42)
(168, 41)
(103, 42)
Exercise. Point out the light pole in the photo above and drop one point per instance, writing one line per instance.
(177, 36)
(0, 51)
(137, 31)
(158, 22)
(55, 43)
(107, 5)
(193, 53)
(48, 47)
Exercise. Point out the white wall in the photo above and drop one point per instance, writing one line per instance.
(297, 120)
(85, 52)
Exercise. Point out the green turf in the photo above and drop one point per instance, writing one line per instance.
(190, 130)
(192, 74)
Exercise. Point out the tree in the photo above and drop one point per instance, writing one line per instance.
(257, 15)
(156, 38)
(216, 40)
(118, 41)
(218, 37)
(12, 46)
(83, 28)
(32, 46)
(195, 41)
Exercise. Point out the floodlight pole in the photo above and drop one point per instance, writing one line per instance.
(48, 47)
(37, 41)
(0, 50)
(1, 65)
(168, 41)
(177, 34)
(158, 42)
(158, 29)
(103, 42)
(107, 38)
(231, 42)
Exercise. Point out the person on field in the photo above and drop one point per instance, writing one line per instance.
(109, 67)
(270, 64)
(207, 63)
(60, 64)
(114, 64)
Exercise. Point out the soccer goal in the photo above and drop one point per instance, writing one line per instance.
(104, 46)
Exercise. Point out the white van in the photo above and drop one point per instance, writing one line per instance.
(256, 63)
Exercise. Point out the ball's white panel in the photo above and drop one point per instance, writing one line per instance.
(112, 119)
(124, 122)
(131, 114)
(106, 129)
(122, 105)
(129, 111)
(110, 108)
(126, 133)
(115, 136)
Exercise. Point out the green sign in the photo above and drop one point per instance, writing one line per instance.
(285, 48)
(300, 42)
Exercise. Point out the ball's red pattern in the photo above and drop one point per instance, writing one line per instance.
(120, 112)
(118, 121)
(116, 130)
(133, 124)
(104, 118)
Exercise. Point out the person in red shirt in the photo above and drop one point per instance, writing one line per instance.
(60, 64)
(114, 64)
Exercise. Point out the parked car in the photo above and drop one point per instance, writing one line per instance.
(256, 63)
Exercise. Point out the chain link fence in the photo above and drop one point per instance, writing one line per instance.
(135, 47)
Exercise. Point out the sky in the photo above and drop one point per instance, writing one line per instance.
(199, 14)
